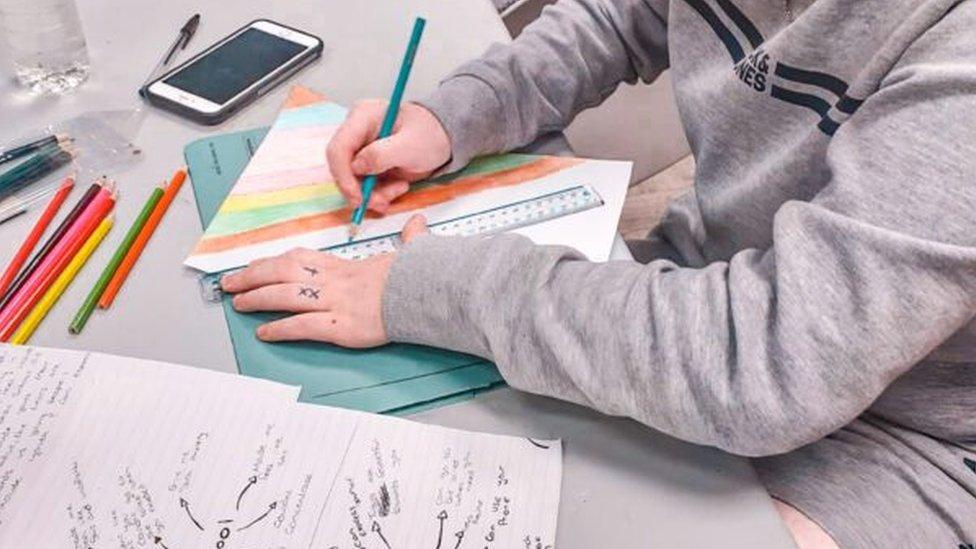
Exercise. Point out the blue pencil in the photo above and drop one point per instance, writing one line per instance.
(391, 114)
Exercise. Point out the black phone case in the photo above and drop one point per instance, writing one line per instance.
(236, 106)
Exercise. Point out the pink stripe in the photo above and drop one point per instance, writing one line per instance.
(287, 137)
(304, 147)
(38, 282)
(249, 184)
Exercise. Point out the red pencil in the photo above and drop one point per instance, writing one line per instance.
(38, 283)
(50, 243)
(36, 233)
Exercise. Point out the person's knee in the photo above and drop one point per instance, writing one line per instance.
(806, 533)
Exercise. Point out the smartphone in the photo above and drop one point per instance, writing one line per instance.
(234, 72)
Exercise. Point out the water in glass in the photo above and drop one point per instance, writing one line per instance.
(44, 44)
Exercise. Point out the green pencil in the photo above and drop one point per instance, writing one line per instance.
(81, 317)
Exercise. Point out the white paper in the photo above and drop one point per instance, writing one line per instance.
(405, 484)
(152, 455)
(35, 388)
(591, 232)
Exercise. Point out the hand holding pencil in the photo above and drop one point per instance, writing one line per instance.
(417, 146)
(389, 119)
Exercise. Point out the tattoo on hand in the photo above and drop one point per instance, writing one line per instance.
(312, 271)
(310, 293)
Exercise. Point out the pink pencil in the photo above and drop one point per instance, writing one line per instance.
(36, 233)
(25, 299)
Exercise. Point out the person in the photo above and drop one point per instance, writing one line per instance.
(810, 304)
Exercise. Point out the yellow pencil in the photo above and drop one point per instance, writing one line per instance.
(61, 283)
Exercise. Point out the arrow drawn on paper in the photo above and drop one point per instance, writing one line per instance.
(186, 505)
(379, 532)
(250, 482)
(259, 519)
(442, 516)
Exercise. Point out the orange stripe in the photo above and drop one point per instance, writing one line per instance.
(415, 200)
(300, 96)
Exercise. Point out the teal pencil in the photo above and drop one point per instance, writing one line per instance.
(391, 115)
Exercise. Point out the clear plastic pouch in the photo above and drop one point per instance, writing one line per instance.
(99, 143)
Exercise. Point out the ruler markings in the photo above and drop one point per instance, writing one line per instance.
(499, 219)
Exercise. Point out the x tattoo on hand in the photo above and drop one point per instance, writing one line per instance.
(310, 293)
(328, 299)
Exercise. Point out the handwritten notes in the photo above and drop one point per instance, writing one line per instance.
(104, 451)
(34, 389)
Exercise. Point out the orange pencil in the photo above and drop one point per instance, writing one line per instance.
(118, 279)
(36, 233)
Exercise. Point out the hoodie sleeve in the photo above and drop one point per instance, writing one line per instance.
(570, 59)
(770, 350)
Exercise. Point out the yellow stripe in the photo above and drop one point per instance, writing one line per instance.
(253, 201)
(51, 296)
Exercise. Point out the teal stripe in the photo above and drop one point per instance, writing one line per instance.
(319, 114)
(235, 222)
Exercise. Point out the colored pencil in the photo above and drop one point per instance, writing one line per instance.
(36, 233)
(51, 242)
(86, 309)
(118, 279)
(23, 150)
(38, 168)
(61, 283)
(392, 109)
(56, 261)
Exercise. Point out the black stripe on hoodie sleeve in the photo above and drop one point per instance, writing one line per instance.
(823, 80)
(745, 25)
(723, 32)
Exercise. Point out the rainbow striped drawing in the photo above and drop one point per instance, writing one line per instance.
(286, 196)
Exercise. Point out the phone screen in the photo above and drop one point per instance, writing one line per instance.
(237, 64)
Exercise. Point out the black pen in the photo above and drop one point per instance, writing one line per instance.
(182, 40)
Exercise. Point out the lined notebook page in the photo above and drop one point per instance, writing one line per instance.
(152, 455)
(405, 484)
(35, 387)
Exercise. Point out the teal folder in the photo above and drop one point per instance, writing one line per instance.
(396, 378)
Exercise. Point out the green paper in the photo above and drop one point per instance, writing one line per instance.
(396, 378)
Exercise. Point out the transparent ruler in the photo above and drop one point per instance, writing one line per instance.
(495, 220)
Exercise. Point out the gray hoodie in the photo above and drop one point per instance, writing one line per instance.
(828, 249)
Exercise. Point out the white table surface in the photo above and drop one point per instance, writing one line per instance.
(624, 485)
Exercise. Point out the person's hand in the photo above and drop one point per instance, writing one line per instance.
(333, 300)
(418, 146)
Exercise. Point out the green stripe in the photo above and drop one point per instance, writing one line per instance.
(483, 165)
(241, 221)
